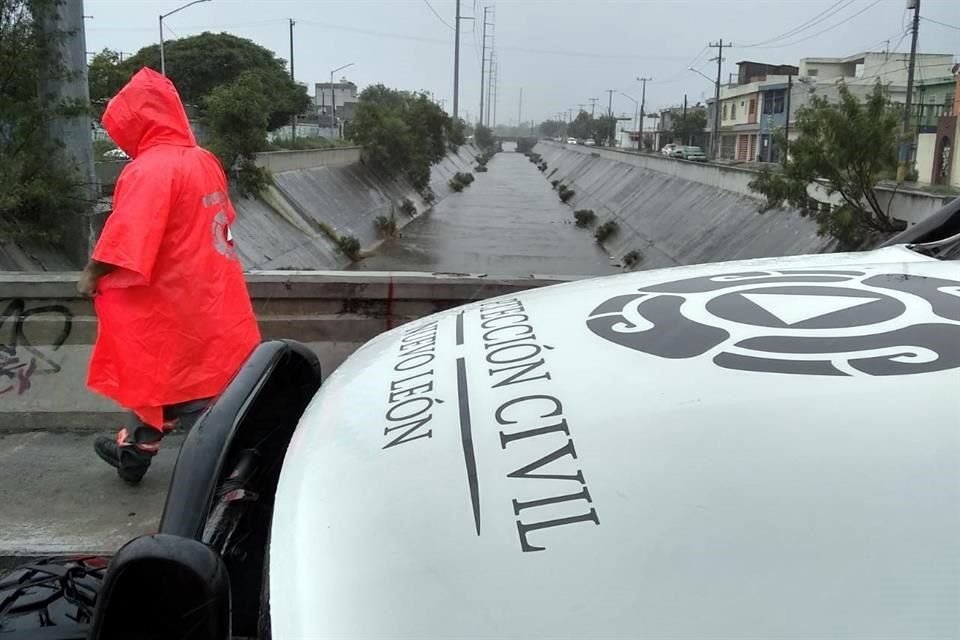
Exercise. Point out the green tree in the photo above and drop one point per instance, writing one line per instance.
(38, 190)
(238, 115)
(687, 126)
(457, 132)
(581, 127)
(550, 128)
(199, 64)
(403, 132)
(105, 75)
(848, 147)
(604, 128)
(483, 136)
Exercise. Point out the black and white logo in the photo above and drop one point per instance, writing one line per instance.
(799, 322)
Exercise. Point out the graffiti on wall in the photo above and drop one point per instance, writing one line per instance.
(22, 358)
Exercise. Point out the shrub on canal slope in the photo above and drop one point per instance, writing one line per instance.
(606, 230)
(386, 225)
(632, 258)
(584, 217)
(566, 193)
(407, 206)
(350, 247)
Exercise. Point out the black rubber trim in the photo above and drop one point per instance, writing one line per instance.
(163, 586)
(204, 452)
(939, 225)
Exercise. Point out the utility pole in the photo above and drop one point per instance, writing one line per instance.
(62, 23)
(520, 109)
(483, 61)
(293, 118)
(685, 118)
(906, 143)
(643, 102)
(456, 65)
(611, 122)
(715, 138)
(495, 84)
(593, 107)
(786, 130)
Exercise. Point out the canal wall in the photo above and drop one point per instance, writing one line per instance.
(47, 330)
(295, 223)
(675, 218)
(676, 212)
(318, 195)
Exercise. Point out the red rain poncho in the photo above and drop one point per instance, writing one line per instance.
(175, 320)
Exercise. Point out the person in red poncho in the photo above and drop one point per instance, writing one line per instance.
(174, 318)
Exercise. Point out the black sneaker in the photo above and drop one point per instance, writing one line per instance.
(130, 459)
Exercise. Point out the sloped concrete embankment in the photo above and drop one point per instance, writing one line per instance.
(294, 224)
(672, 220)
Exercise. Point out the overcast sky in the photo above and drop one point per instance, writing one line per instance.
(561, 53)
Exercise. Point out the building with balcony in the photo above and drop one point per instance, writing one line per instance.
(744, 134)
(765, 96)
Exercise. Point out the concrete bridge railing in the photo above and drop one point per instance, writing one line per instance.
(47, 330)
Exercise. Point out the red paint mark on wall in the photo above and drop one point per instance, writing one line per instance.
(390, 303)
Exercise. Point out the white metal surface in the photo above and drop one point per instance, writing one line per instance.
(774, 458)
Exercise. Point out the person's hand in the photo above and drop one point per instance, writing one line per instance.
(87, 284)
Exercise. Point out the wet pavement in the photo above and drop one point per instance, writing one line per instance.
(509, 222)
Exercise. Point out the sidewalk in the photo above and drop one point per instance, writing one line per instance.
(57, 497)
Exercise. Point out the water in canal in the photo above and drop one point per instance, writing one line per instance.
(509, 222)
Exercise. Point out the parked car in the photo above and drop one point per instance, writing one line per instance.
(116, 154)
(764, 448)
(590, 142)
(695, 154)
(668, 149)
(571, 141)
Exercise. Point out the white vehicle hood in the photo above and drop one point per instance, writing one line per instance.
(763, 449)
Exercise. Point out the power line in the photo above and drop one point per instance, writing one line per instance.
(673, 77)
(821, 32)
(919, 66)
(588, 54)
(942, 24)
(379, 34)
(439, 17)
(197, 27)
(820, 17)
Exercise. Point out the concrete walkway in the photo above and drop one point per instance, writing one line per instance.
(510, 221)
(57, 497)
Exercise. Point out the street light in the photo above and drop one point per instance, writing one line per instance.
(333, 94)
(163, 61)
(636, 107)
(709, 79)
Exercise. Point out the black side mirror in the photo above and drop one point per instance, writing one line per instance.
(164, 586)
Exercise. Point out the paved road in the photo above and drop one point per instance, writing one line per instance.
(508, 222)
(57, 496)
